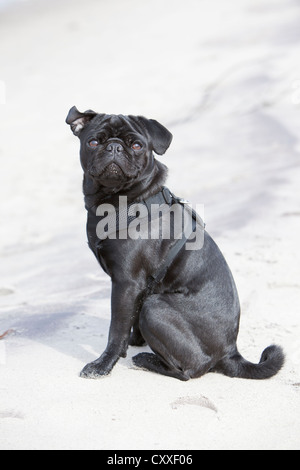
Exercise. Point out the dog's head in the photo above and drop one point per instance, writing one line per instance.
(117, 149)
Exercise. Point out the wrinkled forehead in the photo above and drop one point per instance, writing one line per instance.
(116, 124)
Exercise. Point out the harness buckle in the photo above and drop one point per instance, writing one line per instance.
(181, 200)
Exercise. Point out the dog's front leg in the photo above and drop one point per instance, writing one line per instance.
(123, 315)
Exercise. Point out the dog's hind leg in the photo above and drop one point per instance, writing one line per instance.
(178, 351)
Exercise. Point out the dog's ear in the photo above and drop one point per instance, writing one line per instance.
(78, 120)
(160, 136)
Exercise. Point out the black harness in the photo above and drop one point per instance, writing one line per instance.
(162, 197)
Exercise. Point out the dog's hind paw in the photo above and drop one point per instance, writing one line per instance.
(146, 360)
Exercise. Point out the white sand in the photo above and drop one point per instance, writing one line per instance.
(225, 78)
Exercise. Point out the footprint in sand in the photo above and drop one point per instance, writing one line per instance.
(199, 400)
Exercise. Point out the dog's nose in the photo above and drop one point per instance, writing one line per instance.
(114, 147)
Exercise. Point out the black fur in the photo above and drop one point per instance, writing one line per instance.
(191, 319)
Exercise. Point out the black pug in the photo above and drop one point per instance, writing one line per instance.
(182, 302)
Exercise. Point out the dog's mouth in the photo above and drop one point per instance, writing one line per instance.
(112, 171)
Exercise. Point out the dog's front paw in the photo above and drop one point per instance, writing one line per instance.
(136, 338)
(99, 368)
(94, 370)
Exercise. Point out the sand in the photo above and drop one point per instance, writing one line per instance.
(224, 77)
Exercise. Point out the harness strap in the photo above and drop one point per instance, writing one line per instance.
(157, 277)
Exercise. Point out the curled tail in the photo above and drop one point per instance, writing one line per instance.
(271, 361)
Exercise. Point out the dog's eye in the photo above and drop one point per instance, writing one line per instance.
(93, 143)
(136, 146)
